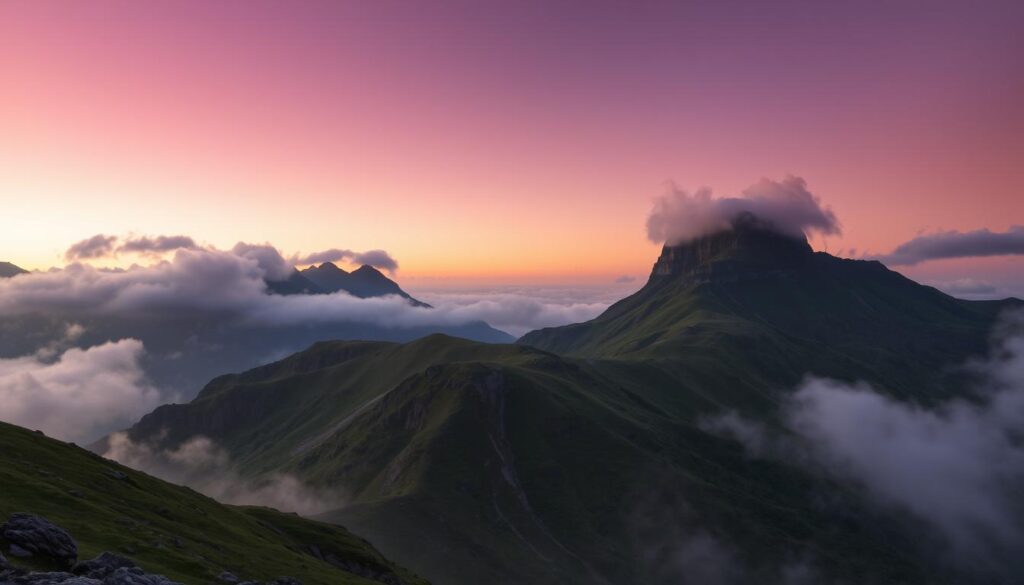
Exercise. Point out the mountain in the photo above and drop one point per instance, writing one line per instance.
(171, 530)
(578, 455)
(364, 282)
(8, 270)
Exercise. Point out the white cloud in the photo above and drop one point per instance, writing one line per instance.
(83, 390)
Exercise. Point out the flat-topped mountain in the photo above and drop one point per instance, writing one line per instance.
(747, 252)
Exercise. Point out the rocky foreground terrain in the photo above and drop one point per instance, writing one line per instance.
(38, 545)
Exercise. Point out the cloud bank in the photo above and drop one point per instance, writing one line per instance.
(785, 206)
(82, 391)
(959, 467)
(954, 244)
(269, 257)
(204, 466)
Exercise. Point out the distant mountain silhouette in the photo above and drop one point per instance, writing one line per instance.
(364, 282)
(8, 270)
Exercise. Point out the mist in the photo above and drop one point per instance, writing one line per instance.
(959, 466)
(204, 466)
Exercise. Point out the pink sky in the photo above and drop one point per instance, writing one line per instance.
(522, 143)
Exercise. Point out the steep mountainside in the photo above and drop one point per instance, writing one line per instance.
(510, 464)
(171, 530)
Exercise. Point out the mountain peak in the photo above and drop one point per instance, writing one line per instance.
(327, 267)
(750, 249)
(7, 270)
(367, 269)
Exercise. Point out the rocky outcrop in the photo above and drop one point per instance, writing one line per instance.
(748, 251)
(102, 566)
(37, 536)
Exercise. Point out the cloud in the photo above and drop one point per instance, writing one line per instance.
(332, 255)
(267, 257)
(785, 206)
(80, 392)
(968, 287)
(206, 467)
(625, 279)
(97, 246)
(376, 258)
(954, 244)
(959, 467)
(518, 310)
(156, 245)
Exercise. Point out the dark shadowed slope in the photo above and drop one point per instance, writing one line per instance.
(477, 463)
(172, 530)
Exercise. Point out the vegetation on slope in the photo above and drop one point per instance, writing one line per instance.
(172, 530)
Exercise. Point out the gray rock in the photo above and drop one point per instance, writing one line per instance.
(58, 578)
(3, 562)
(38, 535)
(136, 576)
(286, 581)
(102, 566)
(118, 475)
(17, 551)
(227, 577)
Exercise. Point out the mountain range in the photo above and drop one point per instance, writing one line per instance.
(363, 282)
(580, 454)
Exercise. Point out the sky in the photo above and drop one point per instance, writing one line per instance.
(494, 143)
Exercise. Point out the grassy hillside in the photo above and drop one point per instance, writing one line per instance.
(168, 529)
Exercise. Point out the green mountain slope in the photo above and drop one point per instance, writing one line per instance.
(510, 464)
(173, 530)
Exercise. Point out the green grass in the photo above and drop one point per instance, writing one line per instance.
(168, 529)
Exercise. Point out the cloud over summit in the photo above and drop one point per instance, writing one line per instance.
(785, 206)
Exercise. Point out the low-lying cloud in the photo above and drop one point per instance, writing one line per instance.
(518, 310)
(784, 206)
(79, 392)
(959, 467)
(954, 244)
(206, 467)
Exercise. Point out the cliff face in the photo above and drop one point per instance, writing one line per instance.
(746, 252)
